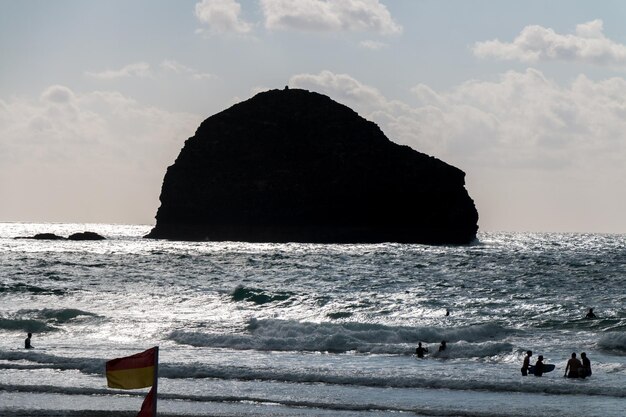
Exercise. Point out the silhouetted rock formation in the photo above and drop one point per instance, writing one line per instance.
(75, 236)
(295, 166)
(44, 236)
(86, 236)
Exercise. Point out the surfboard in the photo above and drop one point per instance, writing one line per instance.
(547, 367)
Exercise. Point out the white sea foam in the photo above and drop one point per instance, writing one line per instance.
(284, 335)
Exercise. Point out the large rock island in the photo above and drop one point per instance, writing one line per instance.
(295, 166)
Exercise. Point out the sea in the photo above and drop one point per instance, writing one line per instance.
(301, 330)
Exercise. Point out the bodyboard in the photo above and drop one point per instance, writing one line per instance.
(547, 367)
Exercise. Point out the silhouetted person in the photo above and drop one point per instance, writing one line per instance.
(447, 312)
(442, 346)
(538, 371)
(419, 350)
(573, 365)
(526, 363)
(590, 314)
(585, 369)
(27, 344)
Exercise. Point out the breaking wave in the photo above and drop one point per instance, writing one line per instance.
(25, 325)
(325, 376)
(33, 289)
(258, 296)
(284, 335)
(613, 341)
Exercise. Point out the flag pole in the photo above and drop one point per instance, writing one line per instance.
(156, 379)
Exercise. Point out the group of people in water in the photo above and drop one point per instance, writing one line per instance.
(574, 368)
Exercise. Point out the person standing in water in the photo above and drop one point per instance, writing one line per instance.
(585, 370)
(590, 314)
(442, 346)
(419, 350)
(526, 363)
(573, 365)
(27, 344)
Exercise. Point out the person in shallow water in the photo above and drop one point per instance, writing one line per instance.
(419, 350)
(590, 314)
(27, 344)
(585, 369)
(442, 346)
(573, 365)
(538, 371)
(526, 363)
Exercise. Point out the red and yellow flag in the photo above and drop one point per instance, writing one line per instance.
(132, 372)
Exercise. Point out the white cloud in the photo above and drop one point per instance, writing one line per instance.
(96, 156)
(178, 68)
(522, 120)
(329, 15)
(58, 94)
(341, 87)
(222, 16)
(144, 70)
(174, 66)
(536, 43)
(139, 69)
(536, 152)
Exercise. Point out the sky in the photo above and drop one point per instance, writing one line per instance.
(527, 98)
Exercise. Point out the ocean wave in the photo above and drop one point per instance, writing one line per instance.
(171, 371)
(258, 296)
(614, 342)
(600, 324)
(373, 332)
(25, 325)
(37, 360)
(303, 402)
(463, 350)
(32, 360)
(59, 315)
(285, 335)
(339, 315)
(33, 289)
(400, 381)
(41, 320)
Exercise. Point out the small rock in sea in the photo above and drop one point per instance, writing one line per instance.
(43, 236)
(86, 236)
(75, 236)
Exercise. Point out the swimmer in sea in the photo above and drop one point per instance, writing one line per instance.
(27, 344)
(419, 350)
(526, 363)
(590, 314)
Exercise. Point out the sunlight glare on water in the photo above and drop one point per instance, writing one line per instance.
(317, 327)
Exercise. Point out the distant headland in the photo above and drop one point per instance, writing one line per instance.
(295, 166)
